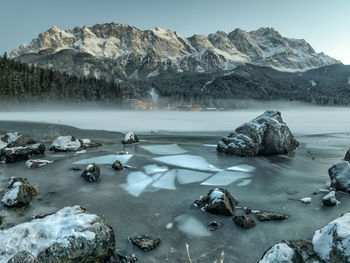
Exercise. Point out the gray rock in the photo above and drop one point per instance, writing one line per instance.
(144, 242)
(347, 156)
(218, 201)
(215, 225)
(331, 199)
(130, 138)
(340, 176)
(120, 258)
(69, 235)
(23, 257)
(117, 165)
(244, 221)
(21, 153)
(19, 192)
(265, 135)
(266, 216)
(87, 143)
(91, 173)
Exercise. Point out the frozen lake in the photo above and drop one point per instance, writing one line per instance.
(301, 120)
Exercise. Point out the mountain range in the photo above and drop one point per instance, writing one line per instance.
(120, 52)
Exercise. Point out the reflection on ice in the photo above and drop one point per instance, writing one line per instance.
(242, 168)
(153, 168)
(188, 176)
(167, 181)
(191, 226)
(188, 161)
(245, 182)
(136, 183)
(225, 178)
(163, 149)
(106, 159)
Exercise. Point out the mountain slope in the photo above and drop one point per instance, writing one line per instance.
(119, 52)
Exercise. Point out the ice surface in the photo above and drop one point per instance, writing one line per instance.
(106, 159)
(167, 181)
(137, 183)
(242, 168)
(225, 178)
(210, 145)
(164, 149)
(279, 253)
(153, 168)
(188, 161)
(191, 226)
(245, 182)
(190, 176)
(39, 234)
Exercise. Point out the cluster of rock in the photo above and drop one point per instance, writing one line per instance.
(18, 147)
(219, 201)
(267, 134)
(19, 192)
(329, 244)
(71, 144)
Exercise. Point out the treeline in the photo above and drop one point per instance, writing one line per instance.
(22, 82)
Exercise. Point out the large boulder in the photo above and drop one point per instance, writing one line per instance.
(218, 201)
(340, 176)
(91, 173)
(294, 251)
(23, 257)
(69, 235)
(332, 242)
(267, 134)
(19, 192)
(71, 144)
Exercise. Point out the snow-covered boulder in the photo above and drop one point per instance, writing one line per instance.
(19, 192)
(14, 139)
(279, 253)
(130, 138)
(340, 176)
(23, 257)
(331, 199)
(71, 144)
(218, 201)
(37, 163)
(294, 251)
(20, 153)
(332, 242)
(69, 235)
(65, 144)
(347, 156)
(91, 173)
(265, 135)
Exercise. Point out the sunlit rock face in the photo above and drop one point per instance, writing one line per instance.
(117, 51)
(267, 134)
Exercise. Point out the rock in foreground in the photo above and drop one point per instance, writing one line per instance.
(265, 135)
(244, 221)
(266, 216)
(340, 176)
(69, 235)
(117, 165)
(91, 173)
(144, 242)
(19, 192)
(21, 153)
(218, 201)
(331, 199)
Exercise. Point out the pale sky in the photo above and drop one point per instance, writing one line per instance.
(325, 24)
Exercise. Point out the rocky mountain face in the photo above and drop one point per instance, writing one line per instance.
(120, 52)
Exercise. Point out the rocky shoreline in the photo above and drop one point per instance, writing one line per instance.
(91, 238)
